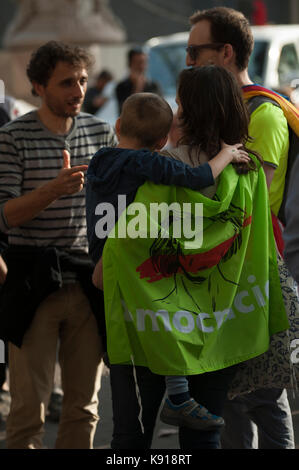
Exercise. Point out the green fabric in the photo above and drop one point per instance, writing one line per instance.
(200, 320)
(269, 128)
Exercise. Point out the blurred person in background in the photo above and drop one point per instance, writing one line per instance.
(95, 96)
(259, 15)
(137, 81)
(8, 110)
(4, 118)
(254, 10)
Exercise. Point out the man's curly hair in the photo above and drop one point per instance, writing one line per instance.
(44, 60)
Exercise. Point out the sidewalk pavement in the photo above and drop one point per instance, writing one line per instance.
(165, 437)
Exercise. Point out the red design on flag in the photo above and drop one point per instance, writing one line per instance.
(189, 263)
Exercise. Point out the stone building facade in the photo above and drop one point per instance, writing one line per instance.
(143, 19)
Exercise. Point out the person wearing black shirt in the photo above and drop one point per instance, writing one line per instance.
(136, 82)
(94, 98)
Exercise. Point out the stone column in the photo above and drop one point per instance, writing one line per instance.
(89, 23)
(73, 21)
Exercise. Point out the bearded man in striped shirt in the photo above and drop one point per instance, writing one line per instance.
(48, 296)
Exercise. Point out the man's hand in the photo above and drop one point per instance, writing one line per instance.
(3, 270)
(22, 209)
(69, 180)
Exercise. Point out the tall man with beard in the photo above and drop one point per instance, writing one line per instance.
(48, 295)
(222, 36)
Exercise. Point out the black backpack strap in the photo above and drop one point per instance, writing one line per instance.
(292, 155)
(254, 102)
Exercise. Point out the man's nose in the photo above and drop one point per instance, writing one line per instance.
(79, 90)
(189, 61)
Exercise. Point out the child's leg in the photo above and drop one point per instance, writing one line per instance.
(177, 389)
(182, 410)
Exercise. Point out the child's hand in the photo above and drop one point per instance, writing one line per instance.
(235, 152)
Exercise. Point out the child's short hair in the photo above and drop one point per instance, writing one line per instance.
(146, 117)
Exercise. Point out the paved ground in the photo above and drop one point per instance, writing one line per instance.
(165, 436)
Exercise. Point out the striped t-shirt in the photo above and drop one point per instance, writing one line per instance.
(30, 156)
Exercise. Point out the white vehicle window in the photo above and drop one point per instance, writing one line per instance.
(257, 61)
(165, 64)
(288, 64)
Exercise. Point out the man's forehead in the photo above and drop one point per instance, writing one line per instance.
(65, 69)
(200, 33)
(139, 57)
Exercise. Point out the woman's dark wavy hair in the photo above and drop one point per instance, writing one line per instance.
(213, 110)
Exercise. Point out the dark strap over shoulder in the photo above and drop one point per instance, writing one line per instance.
(254, 102)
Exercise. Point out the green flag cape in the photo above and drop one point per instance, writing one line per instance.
(181, 306)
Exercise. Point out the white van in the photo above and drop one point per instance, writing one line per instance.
(273, 63)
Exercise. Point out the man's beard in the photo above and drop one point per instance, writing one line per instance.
(61, 111)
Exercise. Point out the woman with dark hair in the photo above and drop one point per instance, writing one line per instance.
(211, 110)
(194, 302)
(206, 120)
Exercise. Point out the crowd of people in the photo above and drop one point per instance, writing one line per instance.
(166, 313)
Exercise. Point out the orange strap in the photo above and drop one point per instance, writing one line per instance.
(290, 111)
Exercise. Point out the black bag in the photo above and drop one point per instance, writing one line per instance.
(253, 104)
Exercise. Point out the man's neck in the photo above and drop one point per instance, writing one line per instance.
(56, 124)
(243, 78)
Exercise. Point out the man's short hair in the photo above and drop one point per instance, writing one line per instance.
(105, 75)
(231, 27)
(146, 117)
(44, 60)
(134, 51)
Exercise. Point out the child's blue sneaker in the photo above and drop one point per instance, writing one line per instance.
(189, 414)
